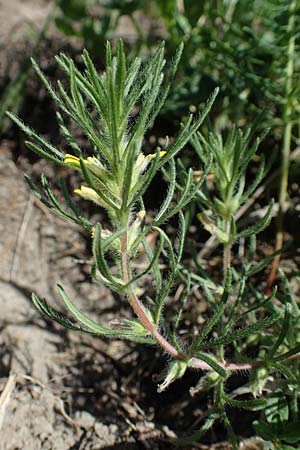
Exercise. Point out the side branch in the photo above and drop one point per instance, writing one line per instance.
(139, 310)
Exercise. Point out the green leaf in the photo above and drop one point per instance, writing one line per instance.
(130, 158)
(153, 88)
(264, 430)
(260, 225)
(289, 297)
(52, 314)
(188, 130)
(242, 333)
(67, 135)
(183, 301)
(56, 207)
(100, 259)
(216, 316)
(287, 447)
(36, 193)
(283, 332)
(258, 267)
(40, 152)
(209, 359)
(170, 193)
(208, 423)
(254, 404)
(163, 293)
(182, 229)
(288, 354)
(82, 318)
(143, 183)
(240, 295)
(152, 263)
(85, 223)
(277, 410)
(167, 84)
(53, 204)
(107, 242)
(257, 180)
(50, 152)
(94, 89)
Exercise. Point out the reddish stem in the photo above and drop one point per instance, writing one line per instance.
(139, 310)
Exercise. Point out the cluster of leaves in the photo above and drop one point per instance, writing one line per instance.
(280, 426)
(114, 110)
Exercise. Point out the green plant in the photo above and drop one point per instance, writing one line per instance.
(290, 107)
(278, 429)
(117, 173)
(252, 54)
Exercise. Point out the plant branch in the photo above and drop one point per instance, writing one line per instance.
(227, 249)
(139, 309)
(195, 363)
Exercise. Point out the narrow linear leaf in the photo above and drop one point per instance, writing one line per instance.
(255, 404)
(242, 333)
(209, 359)
(208, 423)
(294, 351)
(216, 316)
(40, 152)
(82, 318)
(188, 131)
(52, 314)
(153, 261)
(171, 189)
(260, 225)
(99, 256)
(283, 332)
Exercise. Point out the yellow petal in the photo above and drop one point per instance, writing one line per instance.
(143, 161)
(72, 160)
(89, 194)
(153, 155)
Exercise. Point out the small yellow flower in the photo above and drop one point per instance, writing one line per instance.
(92, 163)
(72, 160)
(153, 155)
(89, 194)
(143, 161)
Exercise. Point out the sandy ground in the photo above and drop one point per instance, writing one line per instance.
(18, 16)
(34, 358)
(58, 390)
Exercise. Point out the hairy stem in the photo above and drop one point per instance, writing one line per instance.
(226, 265)
(139, 310)
(227, 249)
